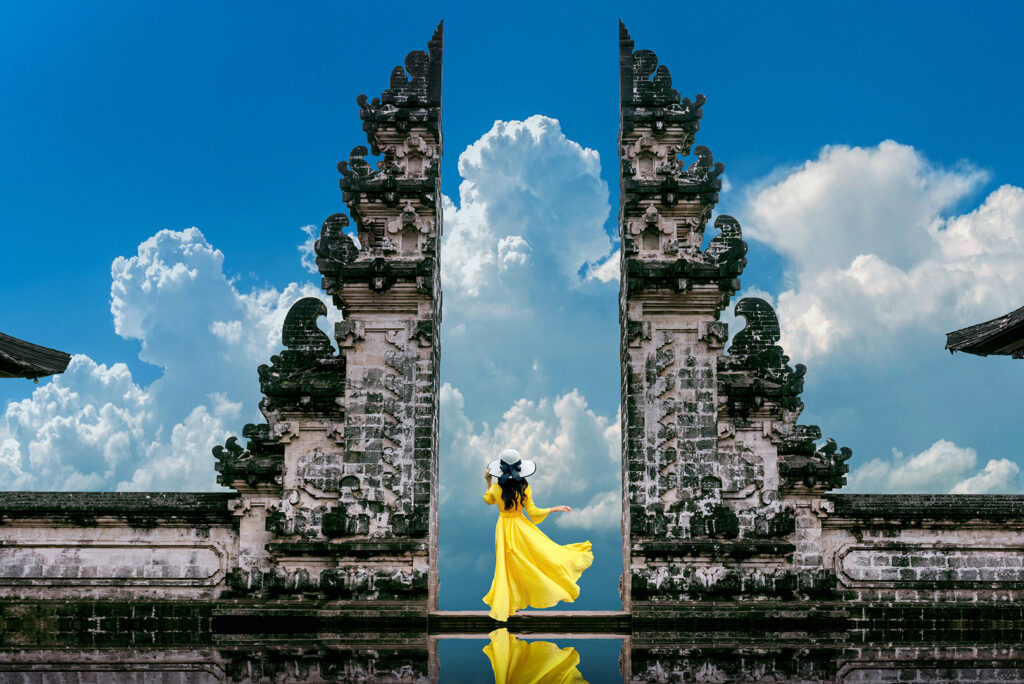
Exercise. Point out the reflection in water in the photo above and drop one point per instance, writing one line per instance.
(479, 660)
(539, 662)
(57, 642)
(347, 659)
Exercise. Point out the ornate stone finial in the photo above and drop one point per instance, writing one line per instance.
(652, 83)
(301, 334)
(801, 465)
(356, 166)
(335, 248)
(307, 375)
(261, 462)
(756, 368)
(761, 332)
(413, 96)
(727, 251)
(646, 93)
(705, 169)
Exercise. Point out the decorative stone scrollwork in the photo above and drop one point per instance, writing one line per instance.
(756, 368)
(714, 334)
(670, 184)
(637, 332)
(757, 341)
(261, 462)
(356, 167)
(423, 332)
(727, 250)
(413, 88)
(717, 582)
(651, 219)
(416, 158)
(652, 84)
(646, 158)
(409, 220)
(414, 95)
(647, 95)
(821, 470)
(362, 185)
(243, 583)
(381, 277)
(335, 248)
(348, 332)
(306, 376)
(282, 582)
(354, 582)
(704, 169)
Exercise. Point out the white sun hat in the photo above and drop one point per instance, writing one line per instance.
(512, 465)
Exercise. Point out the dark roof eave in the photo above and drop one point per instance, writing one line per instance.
(1000, 336)
(21, 359)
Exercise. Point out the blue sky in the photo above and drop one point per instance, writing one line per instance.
(872, 155)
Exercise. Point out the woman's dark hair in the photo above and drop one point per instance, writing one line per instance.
(513, 492)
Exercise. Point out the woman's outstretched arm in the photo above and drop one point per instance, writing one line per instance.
(538, 514)
(488, 496)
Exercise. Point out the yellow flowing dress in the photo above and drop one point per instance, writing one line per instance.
(536, 662)
(530, 570)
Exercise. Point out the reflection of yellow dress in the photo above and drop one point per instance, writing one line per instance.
(530, 569)
(538, 662)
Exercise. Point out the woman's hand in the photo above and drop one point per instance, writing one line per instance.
(559, 509)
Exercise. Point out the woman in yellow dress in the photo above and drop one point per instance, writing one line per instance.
(530, 570)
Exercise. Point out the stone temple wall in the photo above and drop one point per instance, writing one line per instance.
(115, 545)
(921, 548)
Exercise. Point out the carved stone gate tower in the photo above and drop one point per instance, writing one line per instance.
(709, 441)
(338, 490)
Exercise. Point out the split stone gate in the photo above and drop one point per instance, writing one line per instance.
(726, 503)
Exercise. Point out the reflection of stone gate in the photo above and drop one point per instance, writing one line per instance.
(727, 523)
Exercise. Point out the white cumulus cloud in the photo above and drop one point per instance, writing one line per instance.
(576, 450)
(526, 189)
(307, 255)
(999, 476)
(943, 467)
(524, 314)
(94, 427)
(606, 271)
(602, 512)
(872, 254)
(78, 431)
